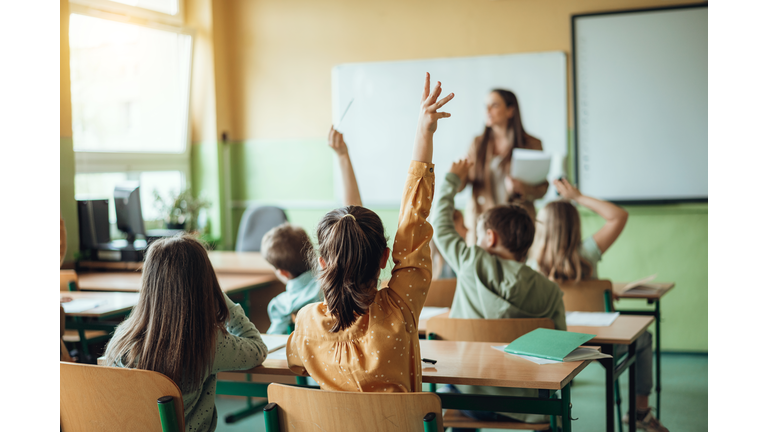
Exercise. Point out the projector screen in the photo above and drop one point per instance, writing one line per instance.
(640, 104)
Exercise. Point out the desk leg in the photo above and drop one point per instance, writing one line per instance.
(566, 401)
(657, 316)
(609, 394)
(632, 389)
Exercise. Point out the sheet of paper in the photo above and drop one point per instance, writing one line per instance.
(429, 312)
(590, 319)
(80, 305)
(536, 360)
(274, 342)
(530, 166)
(279, 354)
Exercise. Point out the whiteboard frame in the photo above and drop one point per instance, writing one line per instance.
(576, 100)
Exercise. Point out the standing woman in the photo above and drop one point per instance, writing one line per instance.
(491, 154)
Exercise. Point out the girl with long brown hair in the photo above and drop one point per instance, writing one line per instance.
(362, 338)
(491, 153)
(558, 250)
(186, 328)
(560, 254)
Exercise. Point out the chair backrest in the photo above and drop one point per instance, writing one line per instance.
(503, 330)
(588, 296)
(65, 277)
(255, 223)
(315, 410)
(114, 399)
(441, 293)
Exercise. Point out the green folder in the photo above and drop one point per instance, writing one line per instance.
(548, 344)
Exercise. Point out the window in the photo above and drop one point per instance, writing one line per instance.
(130, 98)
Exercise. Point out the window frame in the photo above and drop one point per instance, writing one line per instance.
(105, 161)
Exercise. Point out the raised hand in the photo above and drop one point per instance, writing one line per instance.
(428, 117)
(336, 142)
(567, 190)
(461, 169)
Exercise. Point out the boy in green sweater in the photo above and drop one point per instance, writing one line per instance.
(492, 279)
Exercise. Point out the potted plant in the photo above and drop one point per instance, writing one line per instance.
(180, 211)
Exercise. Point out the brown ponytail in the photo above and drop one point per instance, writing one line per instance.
(351, 241)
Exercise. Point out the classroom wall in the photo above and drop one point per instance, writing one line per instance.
(67, 205)
(278, 102)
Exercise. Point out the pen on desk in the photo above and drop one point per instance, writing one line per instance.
(426, 360)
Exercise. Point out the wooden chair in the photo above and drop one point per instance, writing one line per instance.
(485, 330)
(588, 296)
(68, 282)
(441, 293)
(299, 409)
(118, 399)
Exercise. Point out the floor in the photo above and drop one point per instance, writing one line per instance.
(684, 398)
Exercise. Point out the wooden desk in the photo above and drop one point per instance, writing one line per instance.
(652, 297)
(240, 262)
(624, 331)
(222, 261)
(110, 303)
(472, 363)
(131, 281)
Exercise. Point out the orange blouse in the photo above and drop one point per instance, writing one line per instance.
(380, 351)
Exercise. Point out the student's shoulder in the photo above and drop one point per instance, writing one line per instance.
(538, 279)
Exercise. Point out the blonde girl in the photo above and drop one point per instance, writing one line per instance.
(186, 328)
(362, 338)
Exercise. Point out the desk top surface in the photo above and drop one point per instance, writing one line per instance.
(131, 281)
(109, 302)
(240, 262)
(625, 330)
(643, 293)
(471, 363)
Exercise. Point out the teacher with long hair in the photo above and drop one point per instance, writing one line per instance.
(491, 154)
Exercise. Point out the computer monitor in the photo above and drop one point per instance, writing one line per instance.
(128, 211)
(93, 217)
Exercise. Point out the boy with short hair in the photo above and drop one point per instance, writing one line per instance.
(285, 247)
(492, 278)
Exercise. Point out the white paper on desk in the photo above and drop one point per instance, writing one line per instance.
(429, 312)
(80, 305)
(590, 319)
(530, 166)
(279, 354)
(536, 360)
(273, 342)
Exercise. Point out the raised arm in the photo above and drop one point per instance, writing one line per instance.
(412, 273)
(615, 216)
(351, 191)
(449, 242)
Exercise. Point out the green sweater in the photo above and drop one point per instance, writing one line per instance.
(491, 287)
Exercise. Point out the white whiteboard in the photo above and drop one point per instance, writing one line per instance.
(381, 123)
(641, 105)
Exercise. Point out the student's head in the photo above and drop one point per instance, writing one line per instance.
(505, 227)
(557, 243)
(173, 327)
(286, 247)
(352, 250)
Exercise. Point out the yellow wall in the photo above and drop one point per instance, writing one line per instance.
(280, 53)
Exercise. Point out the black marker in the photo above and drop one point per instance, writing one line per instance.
(426, 360)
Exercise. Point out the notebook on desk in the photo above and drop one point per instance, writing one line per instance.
(545, 346)
(640, 286)
(274, 342)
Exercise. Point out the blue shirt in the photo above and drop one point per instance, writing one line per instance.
(299, 292)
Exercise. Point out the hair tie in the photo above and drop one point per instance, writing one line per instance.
(350, 215)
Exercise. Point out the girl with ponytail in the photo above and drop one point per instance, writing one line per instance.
(362, 338)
